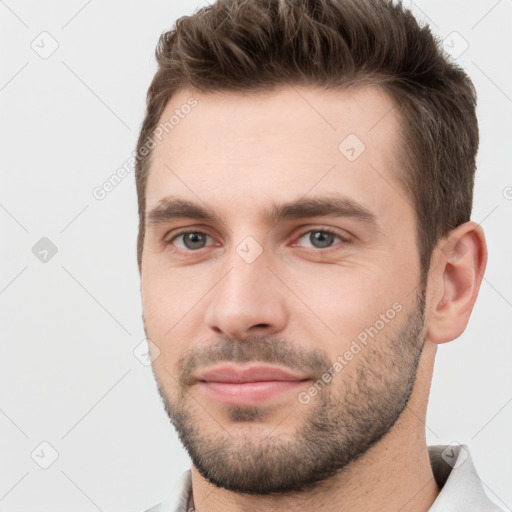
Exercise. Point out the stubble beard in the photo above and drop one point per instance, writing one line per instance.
(340, 424)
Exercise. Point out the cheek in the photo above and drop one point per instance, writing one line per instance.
(168, 294)
(346, 302)
(171, 302)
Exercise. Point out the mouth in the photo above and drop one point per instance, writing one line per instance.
(234, 385)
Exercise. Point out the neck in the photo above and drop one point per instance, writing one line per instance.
(395, 474)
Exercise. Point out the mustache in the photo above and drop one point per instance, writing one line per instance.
(253, 349)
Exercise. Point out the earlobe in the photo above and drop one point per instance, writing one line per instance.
(460, 260)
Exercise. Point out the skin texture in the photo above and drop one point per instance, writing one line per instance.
(359, 442)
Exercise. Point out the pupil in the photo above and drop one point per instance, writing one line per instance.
(321, 239)
(194, 240)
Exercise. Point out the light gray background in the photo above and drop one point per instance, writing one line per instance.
(69, 326)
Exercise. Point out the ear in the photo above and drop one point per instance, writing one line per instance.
(458, 263)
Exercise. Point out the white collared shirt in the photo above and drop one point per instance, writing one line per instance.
(453, 468)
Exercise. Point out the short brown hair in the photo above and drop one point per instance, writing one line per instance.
(258, 45)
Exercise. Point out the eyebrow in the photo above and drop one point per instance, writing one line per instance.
(171, 208)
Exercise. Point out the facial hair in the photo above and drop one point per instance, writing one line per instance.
(346, 418)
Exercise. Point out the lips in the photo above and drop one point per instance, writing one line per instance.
(253, 386)
(248, 386)
(237, 374)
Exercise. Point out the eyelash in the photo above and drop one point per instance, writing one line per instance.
(343, 239)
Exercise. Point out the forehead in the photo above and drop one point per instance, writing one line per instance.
(249, 149)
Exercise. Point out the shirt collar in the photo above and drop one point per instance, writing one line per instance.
(461, 488)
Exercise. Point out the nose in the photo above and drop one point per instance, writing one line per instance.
(248, 300)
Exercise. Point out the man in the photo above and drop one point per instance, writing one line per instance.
(305, 177)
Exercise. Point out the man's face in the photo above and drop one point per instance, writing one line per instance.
(327, 291)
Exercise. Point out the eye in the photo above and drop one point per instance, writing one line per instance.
(190, 240)
(320, 238)
(194, 241)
